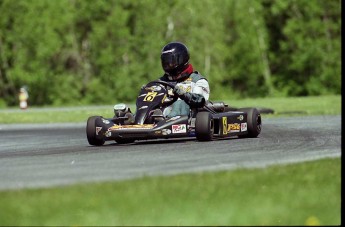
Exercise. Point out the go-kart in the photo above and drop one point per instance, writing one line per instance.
(213, 120)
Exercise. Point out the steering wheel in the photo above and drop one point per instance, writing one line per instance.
(167, 84)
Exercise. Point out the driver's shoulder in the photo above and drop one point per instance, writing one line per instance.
(196, 76)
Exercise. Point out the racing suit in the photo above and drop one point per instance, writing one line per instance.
(193, 92)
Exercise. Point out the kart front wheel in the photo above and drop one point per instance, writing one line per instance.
(204, 127)
(91, 132)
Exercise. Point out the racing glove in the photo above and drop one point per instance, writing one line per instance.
(192, 99)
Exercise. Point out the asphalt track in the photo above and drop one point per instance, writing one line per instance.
(41, 155)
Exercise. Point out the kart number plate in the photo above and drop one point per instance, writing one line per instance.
(150, 96)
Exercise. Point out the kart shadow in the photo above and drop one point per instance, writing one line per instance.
(153, 141)
(168, 141)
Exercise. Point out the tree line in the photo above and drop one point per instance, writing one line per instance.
(76, 52)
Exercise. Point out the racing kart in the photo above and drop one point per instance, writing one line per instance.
(213, 120)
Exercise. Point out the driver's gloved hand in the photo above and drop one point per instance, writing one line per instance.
(179, 91)
(192, 99)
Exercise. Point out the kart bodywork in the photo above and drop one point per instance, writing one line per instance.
(213, 120)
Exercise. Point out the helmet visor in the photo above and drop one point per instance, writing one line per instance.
(170, 62)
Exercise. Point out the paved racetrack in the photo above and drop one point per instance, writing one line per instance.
(36, 155)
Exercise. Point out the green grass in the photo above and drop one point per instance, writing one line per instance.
(314, 105)
(295, 194)
(321, 105)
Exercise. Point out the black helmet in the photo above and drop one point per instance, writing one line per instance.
(174, 58)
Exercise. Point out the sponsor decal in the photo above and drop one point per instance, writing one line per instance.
(225, 124)
(240, 117)
(179, 128)
(153, 88)
(234, 127)
(158, 132)
(166, 131)
(243, 127)
(150, 96)
(143, 107)
(164, 98)
(107, 134)
(98, 129)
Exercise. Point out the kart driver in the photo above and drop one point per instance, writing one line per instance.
(191, 87)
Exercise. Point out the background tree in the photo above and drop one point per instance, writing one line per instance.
(305, 46)
(76, 52)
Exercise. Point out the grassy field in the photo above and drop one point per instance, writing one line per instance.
(296, 194)
(323, 105)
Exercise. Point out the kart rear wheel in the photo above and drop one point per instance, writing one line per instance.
(254, 122)
(91, 132)
(204, 127)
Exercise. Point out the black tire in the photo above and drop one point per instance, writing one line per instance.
(124, 140)
(91, 132)
(254, 122)
(204, 127)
